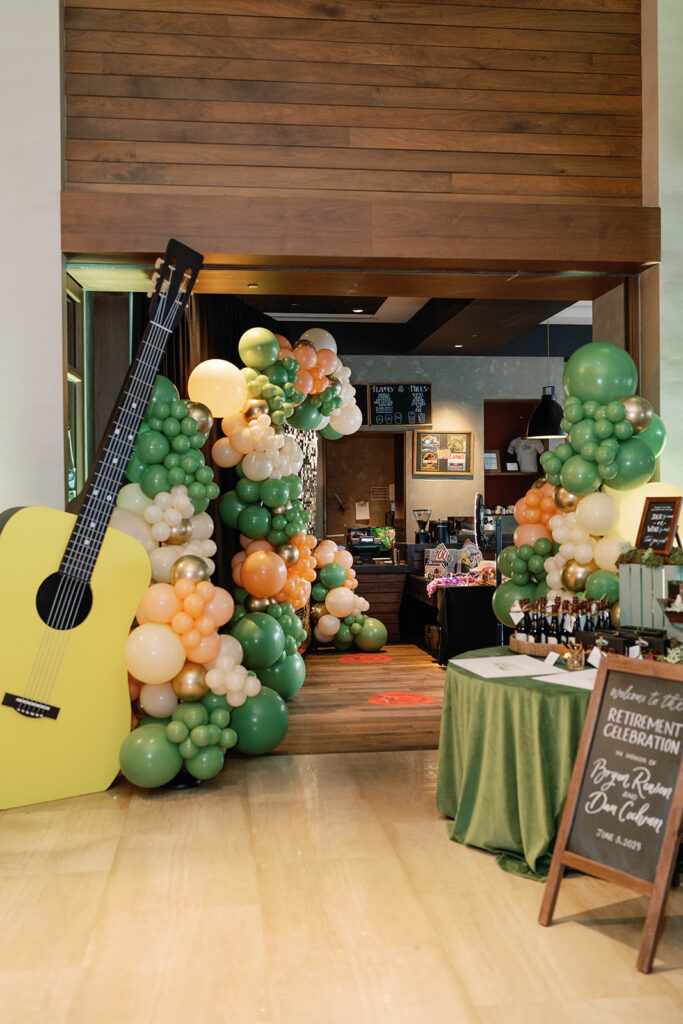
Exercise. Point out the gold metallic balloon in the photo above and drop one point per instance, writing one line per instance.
(189, 567)
(541, 482)
(180, 534)
(202, 414)
(255, 407)
(317, 611)
(190, 683)
(257, 604)
(575, 575)
(638, 412)
(565, 500)
(279, 511)
(615, 612)
(289, 553)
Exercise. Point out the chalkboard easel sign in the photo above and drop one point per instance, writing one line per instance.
(659, 524)
(623, 817)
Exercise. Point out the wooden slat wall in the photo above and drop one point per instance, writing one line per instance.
(515, 100)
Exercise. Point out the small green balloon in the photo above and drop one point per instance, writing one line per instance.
(580, 476)
(505, 559)
(603, 585)
(552, 466)
(332, 575)
(319, 592)
(524, 551)
(274, 493)
(615, 411)
(248, 490)
(206, 764)
(254, 521)
(562, 452)
(135, 468)
(623, 430)
(261, 722)
(582, 433)
(536, 565)
(153, 480)
(543, 547)
(148, 758)
(229, 508)
(258, 348)
(330, 434)
(592, 410)
(520, 578)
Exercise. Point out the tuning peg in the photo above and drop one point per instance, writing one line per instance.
(150, 293)
(159, 263)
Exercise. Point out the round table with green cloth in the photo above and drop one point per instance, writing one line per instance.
(506, 753)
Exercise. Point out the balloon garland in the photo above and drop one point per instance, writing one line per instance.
(338, 612)
(566, 544)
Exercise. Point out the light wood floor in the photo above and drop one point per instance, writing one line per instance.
(316, 889)
(331, 713)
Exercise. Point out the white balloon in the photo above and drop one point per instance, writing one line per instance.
(242, 440)
(583, 553)
(252, 686)
(554, 579)
(607, 550)
(346, 420)
(162, 559)
(219, 385)
(161, 531)
(322, 638)
(319, 338)
(202, 526)
(578, 535)
(134, 526)
(236, 700)
(231, 647)
(561, 534)
(567, 550)
(598, 513)
(329, 625)
(555, 521)
(158, 701)
(570, 519)
(257, 466)
(133, 499)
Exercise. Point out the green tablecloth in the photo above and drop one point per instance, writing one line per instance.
(506, 753)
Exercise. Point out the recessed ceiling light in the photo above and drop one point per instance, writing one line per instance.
(357, 310)
(252, 284)
(457, 346)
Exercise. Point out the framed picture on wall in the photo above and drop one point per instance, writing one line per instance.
(492, 462)
(443, 453)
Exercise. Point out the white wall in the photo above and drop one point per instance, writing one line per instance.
(671, 203)
(459, 386)
(31, 321)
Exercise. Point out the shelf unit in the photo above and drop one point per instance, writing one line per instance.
(505, 419)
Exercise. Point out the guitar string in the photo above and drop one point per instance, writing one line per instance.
(70, 590)
(69, 593)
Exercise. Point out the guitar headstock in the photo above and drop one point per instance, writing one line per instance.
(173, 281)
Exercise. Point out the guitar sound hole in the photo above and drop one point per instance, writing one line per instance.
(63, 602)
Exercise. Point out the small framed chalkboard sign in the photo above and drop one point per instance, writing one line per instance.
(659, 524)
(624, 812)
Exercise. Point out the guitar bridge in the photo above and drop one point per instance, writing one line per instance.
(28, 707)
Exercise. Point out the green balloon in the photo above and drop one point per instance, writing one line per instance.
(261, 722)
(581, 433)
(277, 373)
(305, 417)
(258, 348)
(154, 479)
(332, 575)
(543, 547)
(206, 763)
(623, 430)
(274, 493)
(604, 429)
(505, 596)
(518, 565)
(580, 476)
(505, 559)
(635, 464)
(520, 578)
(135, 468)
(562, 452)
(654, 436)
(262, 639)
(541, 590)
(603, 585)
(537, 565)
(148, 758)
(248, 490)
(286, 677)
(524, 552)
(229, 508)
(553, 465)
(152, 447)
(254, 521)
(330, 434)
(319, 592)
(615, 411)
(164, 391)
(373, 635)
(601, 372)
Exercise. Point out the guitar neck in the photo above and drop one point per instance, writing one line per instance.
(91, 524)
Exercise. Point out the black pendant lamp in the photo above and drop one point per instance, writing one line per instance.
(544, 422)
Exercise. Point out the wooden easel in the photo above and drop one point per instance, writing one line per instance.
(656, 890)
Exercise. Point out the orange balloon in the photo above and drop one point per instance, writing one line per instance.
(319, 384)
(533, 515)
(520, 511)
(193, 605)
(259, 545)
(208, 648)
(546, 517)
(220, 607)
(304, 381)
(547, 489)
(305, 355)
(190, 639)
(343, 557)
(183, 587)
(323, 556)
(548, 505)
(532, 498)
(237, 575)
(284, 342)
(264, 573)
(238, 559)
(205, 625)
(159, 604)
(205, 589)
(327, 360)
(182, 623)
(529, 533)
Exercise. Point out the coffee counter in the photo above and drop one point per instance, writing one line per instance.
(382, 586)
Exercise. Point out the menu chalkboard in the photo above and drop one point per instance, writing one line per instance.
(395, 405)
(658, 524)
(630, 774)
(623, 816)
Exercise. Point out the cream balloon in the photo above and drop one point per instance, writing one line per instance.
(257, 466)
(158, 701)
(346, 420)
(134, 526)
(132, 498)
(598, 513)
(202, 526)
(328, 625)
(223, 453)
(607, 550)
(319, 338)
(630, 506)
(583, 553)
(161, 560)
(340, 601)
(219, 386)
(154, 653)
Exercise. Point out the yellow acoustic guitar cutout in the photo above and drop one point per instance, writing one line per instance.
(70, 589)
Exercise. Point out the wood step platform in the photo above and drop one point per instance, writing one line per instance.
(331, 713)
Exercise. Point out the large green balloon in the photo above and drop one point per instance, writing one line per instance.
(600, 371)
(206, 764)
(603, 585)
(259, 348)
(635, 464)
(332, 575)
(329, 433)
(654, 436)
(154, 479)
(274, 493)
(505, 596)
(285, 677)
(305, 417)
(254, 521)
(262, 639)
(261, 722)
(579, 476)
(152, 447)
(148, 758)
(230, 507)
(372, 636)
(248, 490)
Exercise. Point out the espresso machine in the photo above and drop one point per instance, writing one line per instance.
(422, 517)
